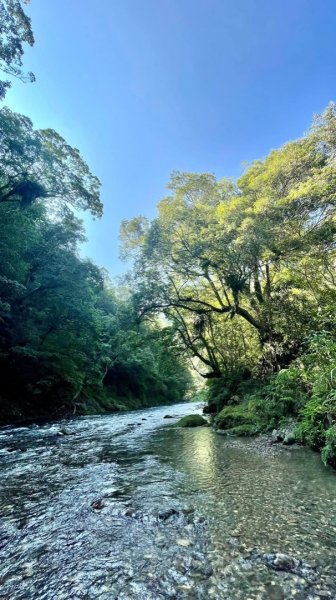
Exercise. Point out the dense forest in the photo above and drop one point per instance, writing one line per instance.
(70, 341)
(233, 280)
(245, 273)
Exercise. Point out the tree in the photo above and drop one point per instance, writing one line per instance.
(40, 164)
(15, 31)
(248, 252)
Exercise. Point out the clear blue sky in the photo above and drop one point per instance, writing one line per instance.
(144, 87)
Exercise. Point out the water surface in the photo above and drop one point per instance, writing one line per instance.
(128, 506)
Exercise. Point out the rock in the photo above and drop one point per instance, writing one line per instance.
(97, 504)
(209, 409)
(192, 421)
(284, 562)
(289, 439)
(184, 542)
(168, 417)
(203, 570)
(160, 541)
(171, 512)
(276, 436)
(64, 431)
(187, 511)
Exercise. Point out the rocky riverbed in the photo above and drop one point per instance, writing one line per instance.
(128, 506)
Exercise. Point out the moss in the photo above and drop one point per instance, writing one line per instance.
(244, 430)
(235, 416)
(192, 421)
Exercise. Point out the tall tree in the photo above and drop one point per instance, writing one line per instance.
(247, 252)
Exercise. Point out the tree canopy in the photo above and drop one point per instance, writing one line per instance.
(244, 269)
(40, 164)
(15, 31)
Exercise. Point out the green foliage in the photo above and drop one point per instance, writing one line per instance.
(15, 31)
(280, 397)
(329, 450)
(68, 342)
(244, 270)
(318, 417)
(192, 421)
(40, 164)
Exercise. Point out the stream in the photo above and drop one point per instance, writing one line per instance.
(128, 506)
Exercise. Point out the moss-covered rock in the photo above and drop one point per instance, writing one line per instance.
(192, 421)
(235, 416)
(244, 430)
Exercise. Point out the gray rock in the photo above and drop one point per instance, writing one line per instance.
(289, 439)
(283, 562)
(277, 436)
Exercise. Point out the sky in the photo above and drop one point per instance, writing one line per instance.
(145, 87)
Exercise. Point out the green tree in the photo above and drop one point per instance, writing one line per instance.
(15, 31)
(40, 164)
(249, 252)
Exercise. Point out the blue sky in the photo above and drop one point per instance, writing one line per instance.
(144, 87)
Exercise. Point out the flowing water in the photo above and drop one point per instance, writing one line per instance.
(129, 506)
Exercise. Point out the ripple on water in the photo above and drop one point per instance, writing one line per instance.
(182, 513)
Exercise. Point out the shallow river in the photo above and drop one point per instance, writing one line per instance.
(130, 507)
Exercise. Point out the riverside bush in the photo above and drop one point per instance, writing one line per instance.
(317, 426)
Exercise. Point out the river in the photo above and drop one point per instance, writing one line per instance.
(130, 507)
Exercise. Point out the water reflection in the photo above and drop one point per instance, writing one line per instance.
(183, 514)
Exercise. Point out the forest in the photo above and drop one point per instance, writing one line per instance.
(245, 273)
(71, 342)
(230, 296)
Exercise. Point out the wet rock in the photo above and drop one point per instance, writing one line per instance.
(284, 434)
(98, 504)
(289, 439)
(203, 570)
(188, 511)
(286, 563)
(65, 431)
(22, 522)
(160, 541)
(168, 417)
(167, 514)
(276, 436)
(283, 562)
(184, 542)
